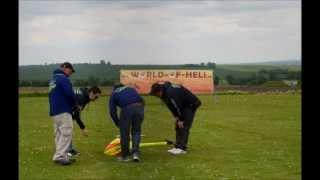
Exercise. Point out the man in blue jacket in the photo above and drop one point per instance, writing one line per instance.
(62, 101)
(131, 117)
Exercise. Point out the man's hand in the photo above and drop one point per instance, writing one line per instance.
(84, 132)
(180, 124)
(77, 108)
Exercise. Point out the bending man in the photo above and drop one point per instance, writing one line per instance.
(183, 105)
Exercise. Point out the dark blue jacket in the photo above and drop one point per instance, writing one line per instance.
(82, 99)
(122, 96)
(61, 95)
(177, 98)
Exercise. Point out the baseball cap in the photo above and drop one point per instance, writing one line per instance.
(67, 65)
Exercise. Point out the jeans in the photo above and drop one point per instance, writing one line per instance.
(131, 117)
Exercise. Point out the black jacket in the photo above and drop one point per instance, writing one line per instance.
(177, 98)
(82, 99)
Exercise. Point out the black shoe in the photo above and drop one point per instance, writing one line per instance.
(63, 162)
(123, 159)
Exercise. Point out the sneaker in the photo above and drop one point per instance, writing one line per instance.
(63, 162)
(73, 152)
(135, 157)
(178, 151)
(171, 150)
(123, 159)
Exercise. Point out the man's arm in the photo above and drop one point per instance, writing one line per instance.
(113, 110)
(76, 116)
(174, 107)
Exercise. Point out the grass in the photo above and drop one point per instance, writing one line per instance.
(233, 137)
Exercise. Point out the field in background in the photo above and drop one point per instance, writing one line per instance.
(233, 137)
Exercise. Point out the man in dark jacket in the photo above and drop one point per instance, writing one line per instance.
(183, 105)
(131, 117)
(62, 101)
(83, 97)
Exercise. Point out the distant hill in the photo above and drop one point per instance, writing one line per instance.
(105, 72)
(282, 63)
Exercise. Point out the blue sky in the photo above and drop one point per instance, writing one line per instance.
(158, 32)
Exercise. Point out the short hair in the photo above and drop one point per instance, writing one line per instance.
(95, 90)
(67, 65)
(155, 88)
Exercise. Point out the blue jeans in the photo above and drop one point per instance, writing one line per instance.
(131, 117)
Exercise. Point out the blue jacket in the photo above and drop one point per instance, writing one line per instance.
(61, 94)
(122, 96)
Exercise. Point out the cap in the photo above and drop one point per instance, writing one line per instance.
(67, 65)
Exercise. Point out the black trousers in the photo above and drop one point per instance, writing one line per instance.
(182, 134)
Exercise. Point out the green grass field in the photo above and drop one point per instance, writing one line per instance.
(233, 137)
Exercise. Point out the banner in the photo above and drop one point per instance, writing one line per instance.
(197, 81)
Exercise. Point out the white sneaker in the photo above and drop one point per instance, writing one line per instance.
(135, 157)
(178, 151)
(171, 150)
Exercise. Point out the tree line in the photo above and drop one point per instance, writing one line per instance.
(108, 75)
(263, 76)
(91, 81)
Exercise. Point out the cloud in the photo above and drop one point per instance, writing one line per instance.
(170, 30)
(105, 22)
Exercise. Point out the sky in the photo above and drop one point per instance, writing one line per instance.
(158, 32)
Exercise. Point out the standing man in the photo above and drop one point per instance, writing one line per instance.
(183, 105)
(83, 97)
(131, 117)
(62, 101)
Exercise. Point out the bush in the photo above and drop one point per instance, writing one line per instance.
(274, 84)
(234, 92)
